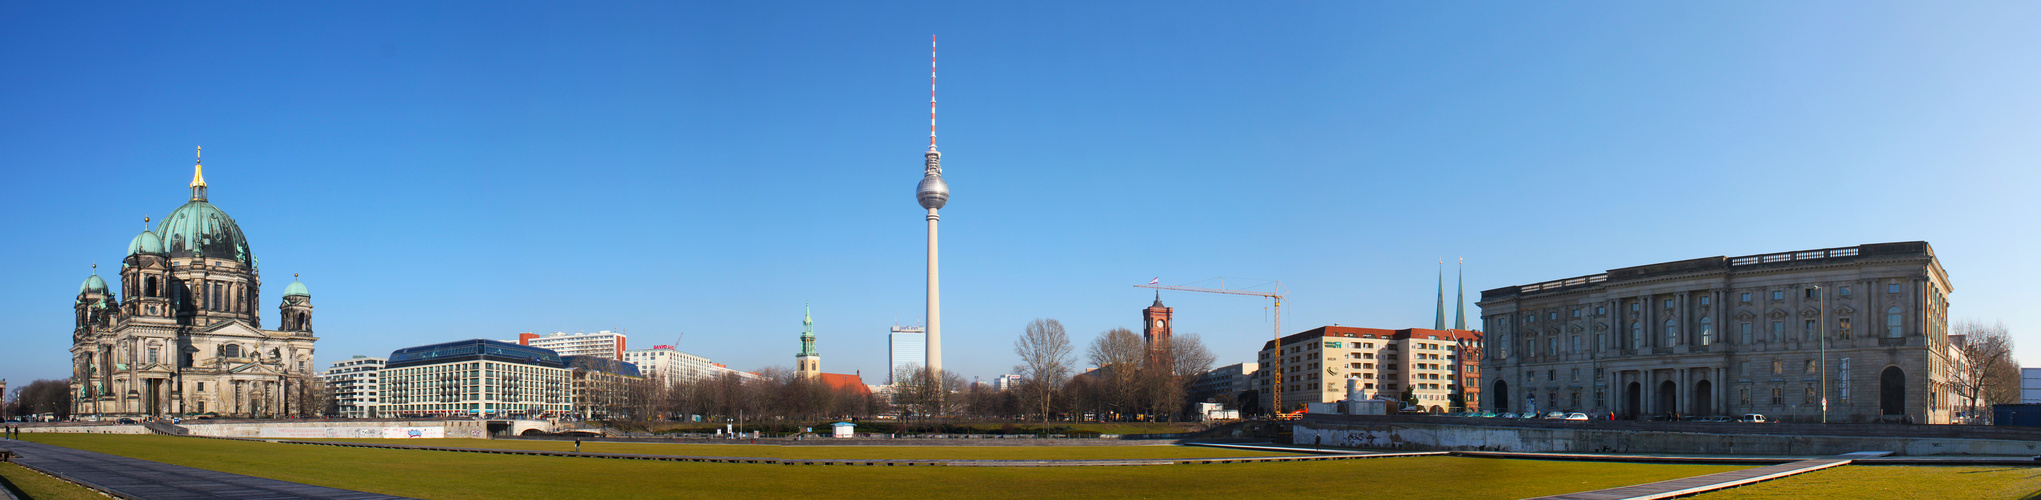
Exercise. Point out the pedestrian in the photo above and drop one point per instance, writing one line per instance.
(577, 445)
(1317, 442)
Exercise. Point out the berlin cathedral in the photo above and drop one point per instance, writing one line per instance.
(184, 336)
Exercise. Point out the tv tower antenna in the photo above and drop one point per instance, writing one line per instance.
(931, 92)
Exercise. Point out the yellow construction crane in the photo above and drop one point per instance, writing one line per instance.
(1275, 385)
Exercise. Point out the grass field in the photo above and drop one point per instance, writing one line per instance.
(1896, 482)
(841, 452)
(451, 475)
(41, 487)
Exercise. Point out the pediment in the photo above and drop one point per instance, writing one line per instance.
(1810, 312)
(1845, 310)
(232, 328)
(1576, 329)
(1601, 327)
(1745, 315)
(1778, 313)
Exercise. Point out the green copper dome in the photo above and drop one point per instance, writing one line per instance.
(146, 243)
(199, 229)
(93, 285)
(297, 289)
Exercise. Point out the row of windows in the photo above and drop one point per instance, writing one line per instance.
(1703, 300)
(1894, 328)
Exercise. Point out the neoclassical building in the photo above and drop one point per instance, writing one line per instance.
(1865, 327)
(184, 335)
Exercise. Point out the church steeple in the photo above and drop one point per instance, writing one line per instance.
(808, 363)
(198, 177)
(1441, 323)
(1460, 311)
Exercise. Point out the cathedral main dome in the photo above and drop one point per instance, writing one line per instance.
(199, 229)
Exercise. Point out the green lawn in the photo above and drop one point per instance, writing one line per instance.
(1897, 482)
(842, 452)
(41, 487)
(448, 475)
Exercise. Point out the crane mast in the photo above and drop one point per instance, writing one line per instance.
(1275, 385)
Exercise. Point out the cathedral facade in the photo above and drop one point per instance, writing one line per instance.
(184, 334)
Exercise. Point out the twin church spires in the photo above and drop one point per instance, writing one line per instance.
(1460, 311)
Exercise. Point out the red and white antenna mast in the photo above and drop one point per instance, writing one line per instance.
(931, 92)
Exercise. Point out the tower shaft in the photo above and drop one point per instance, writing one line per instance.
(935, 303)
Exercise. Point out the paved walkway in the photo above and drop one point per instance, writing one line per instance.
(1712, 482)
(134, 478)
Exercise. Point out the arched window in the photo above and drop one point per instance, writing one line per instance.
(1672, 332)
(1892, 322)
(230, 351)
(1636, 335)
(275, 355)
(1707, 330)
(149, 286)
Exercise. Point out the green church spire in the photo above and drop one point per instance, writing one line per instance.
(1460, 311)
(807, 332)
(1441, 323)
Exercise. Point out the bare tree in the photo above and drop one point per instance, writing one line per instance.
(1044, 352)
(1986, 372)
(1118, 353)
(1166, 385)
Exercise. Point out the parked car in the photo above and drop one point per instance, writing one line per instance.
(1753, 418)
(1507, 414)
(1576, 416)
(125, 421)
(1554, 415)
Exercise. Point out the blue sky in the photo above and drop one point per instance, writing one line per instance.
(446, 171)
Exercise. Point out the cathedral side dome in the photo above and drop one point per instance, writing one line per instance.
(146, 243)
(93, 285)
(199, 229)
(297, 289)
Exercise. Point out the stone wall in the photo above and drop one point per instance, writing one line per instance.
(1589, 439)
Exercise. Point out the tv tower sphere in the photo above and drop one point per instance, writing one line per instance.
(933, 192)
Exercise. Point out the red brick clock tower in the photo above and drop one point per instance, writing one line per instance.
(1155, 329)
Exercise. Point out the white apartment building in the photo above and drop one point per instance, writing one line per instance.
(356, 385)
(604, 344)
(663, 362)
(1435, 369)
(476, 377)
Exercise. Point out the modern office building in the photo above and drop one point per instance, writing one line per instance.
(907, 346)
(604, 388)
(1429, 369)
(1225, 383)
(1864, 327)
(665, 363)
(356, 386)
(476, 377)
(604, 343)
(185, 334)
(1006, 382)
(2030, 386)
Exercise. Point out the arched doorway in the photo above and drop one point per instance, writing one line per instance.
(1892, 391)
(1668, 397)
(1633, 400)
(1438, 410)
(1702, 392)
(1501, 396)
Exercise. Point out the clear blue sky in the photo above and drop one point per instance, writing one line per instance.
(442, 171)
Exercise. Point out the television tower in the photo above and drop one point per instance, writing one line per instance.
(933, 193)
